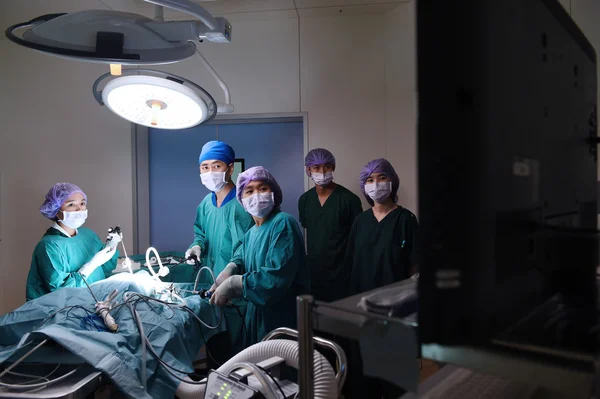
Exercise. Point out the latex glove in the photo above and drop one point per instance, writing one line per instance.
(230, 289)
(229, 271)
(101, 257)
(195, 250)
(113, 239)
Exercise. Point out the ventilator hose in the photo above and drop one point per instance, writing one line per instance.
(324, 380)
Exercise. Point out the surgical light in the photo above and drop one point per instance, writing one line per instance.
(164, 102)
(151, 98)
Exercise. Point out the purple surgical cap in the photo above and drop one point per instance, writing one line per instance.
(319, 156)
(258, 173)
(56, 197)
(379, 166)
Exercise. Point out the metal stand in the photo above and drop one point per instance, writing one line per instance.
(305, 347)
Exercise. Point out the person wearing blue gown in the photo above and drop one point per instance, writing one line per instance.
(69, 253)
(220, 225)
(268, 269)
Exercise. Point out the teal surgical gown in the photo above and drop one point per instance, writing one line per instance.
(327, 229)
(383, 252)
(274, 274)
(57, 259)
(219, 232)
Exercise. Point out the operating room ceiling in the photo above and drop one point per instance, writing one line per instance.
(22, 10)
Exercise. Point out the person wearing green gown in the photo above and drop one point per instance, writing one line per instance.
(327, 212)
(219, 228)
(268, 269)
(382, 249)
(69, 253)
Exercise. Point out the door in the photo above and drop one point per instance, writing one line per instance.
(174, 182)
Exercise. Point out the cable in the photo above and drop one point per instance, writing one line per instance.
(88, 287)
(274, 380)
(42, 384)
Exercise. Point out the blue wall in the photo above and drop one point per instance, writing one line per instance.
(175, 186)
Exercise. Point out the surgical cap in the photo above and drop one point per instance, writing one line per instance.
(379, 166)
(217, 150)
(258, 173)
(319, 156)
(56, 197)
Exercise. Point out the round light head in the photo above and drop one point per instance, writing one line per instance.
(101, 36)
(154, 102)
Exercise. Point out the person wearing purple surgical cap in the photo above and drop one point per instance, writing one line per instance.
(268, 269)
(382, 249)
(387, 232)
(327, 212)
(69, 253)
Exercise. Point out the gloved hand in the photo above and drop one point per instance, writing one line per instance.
(113, 239)
(101, 257)
(229, 271)
(195, 250)
(230, 289)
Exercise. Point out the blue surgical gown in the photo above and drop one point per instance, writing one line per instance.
(274, 274)
(57, 259)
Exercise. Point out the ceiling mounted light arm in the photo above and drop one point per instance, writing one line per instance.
(190, 8)
(226, 108)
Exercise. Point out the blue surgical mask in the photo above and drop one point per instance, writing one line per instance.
(379, 192)
(259, 205)
(75, 219)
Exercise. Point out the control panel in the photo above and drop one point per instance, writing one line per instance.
(219, 386)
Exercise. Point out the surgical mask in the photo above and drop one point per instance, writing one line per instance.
(322, 179)
(379, 192)
(214, 181)
(74, 220)
(259, 205)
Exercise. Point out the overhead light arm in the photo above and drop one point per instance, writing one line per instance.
(221, 108)
(190, 8)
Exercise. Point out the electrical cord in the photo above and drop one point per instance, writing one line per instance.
(274, 380)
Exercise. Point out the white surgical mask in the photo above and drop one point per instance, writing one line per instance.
(214, 181)
(379, 192)
(259, 205)
(322, 179)
(75, 219)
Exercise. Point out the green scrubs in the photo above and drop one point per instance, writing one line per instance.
(274, 274)
(219, 232)
(382, 253)
(327, 229)
(57, 259)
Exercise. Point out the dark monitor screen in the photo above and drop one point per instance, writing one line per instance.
(507, 175)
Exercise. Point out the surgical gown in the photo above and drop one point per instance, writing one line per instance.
(57, 259)
(219, 232)
(327, 229)
(274, 274)
(383, 252)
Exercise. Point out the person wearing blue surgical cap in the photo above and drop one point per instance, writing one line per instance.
(219, 228)
(383, 242)
(268, 269)
(69, 253)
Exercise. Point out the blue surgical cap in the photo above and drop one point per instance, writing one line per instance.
(379, 166)
(217, 150)
(258, 173)
(56, 197)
